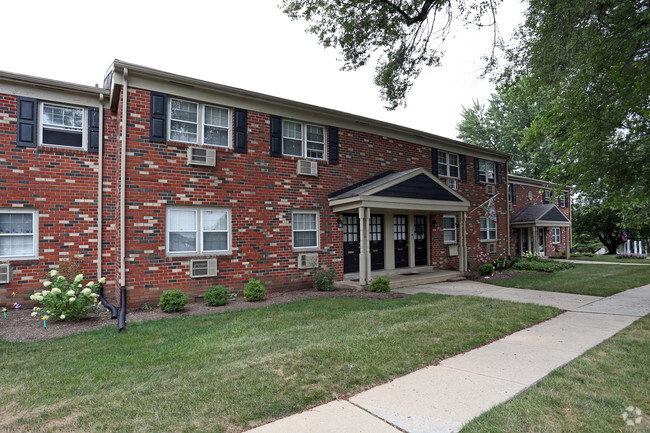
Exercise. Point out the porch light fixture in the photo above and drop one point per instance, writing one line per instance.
(339, 222)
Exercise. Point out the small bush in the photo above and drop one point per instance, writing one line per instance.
(380, 285)
(542, 265)
(324, 280)
(514, 260)
(632, 256)
(501, 263)
(254, 291)
(216, 296)
(172, 301)
(486, 269)
(66, 298)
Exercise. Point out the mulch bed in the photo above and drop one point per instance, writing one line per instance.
(21, 327)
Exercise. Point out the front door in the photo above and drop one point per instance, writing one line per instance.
(400, 235)
(350, 243)
(542, 247)
(524, 240)
(376, 242)
(420, 236)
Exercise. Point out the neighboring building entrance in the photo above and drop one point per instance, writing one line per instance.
(400, 235)
(420, 236)
(350, 243)
(542, 247)
(376, 242)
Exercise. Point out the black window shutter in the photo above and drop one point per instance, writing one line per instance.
(241, 131)
(514, 193)
(26, 122)
(276, 136)
(158, 119)
(477, 177)
(544, 200)
(333, 144)
(499, 173)
(434, 161)
(93, 130)
(463, 168)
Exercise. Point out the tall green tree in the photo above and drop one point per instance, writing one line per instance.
(592, 60)
(407, 34)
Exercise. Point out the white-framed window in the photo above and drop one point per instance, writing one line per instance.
(486, 171)
(449, 228)
(546, 196)
(304, 229)
(562, 200)
(556, 235)
(198, 230)
(303, 139)
(62, 125)
(448, 164)
(509, 193)
(18, 233)
(488, 229)
(194, 123)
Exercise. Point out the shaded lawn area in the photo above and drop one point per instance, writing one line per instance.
(230, 371)
(587, 395)
(610, 258)
(597, 280)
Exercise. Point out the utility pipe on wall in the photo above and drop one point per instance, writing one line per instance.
(121, 323)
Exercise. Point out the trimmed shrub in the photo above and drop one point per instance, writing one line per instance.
(216, 296)
(172, 301)
(254, 291)
(380, 285)
(324, 280)
(632, 256)
(486, 269)
(65, 299)
(542, 265)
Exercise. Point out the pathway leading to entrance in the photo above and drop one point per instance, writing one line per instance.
(444, 397)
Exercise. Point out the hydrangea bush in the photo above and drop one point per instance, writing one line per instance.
(65, 300)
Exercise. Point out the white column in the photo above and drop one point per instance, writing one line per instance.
(364, 246)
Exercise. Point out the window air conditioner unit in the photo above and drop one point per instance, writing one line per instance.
(201, 156)
(5, 273)
(307, 261)
(307, 168)
(203, 268)
(491, 247)
(453, 183)
(489, 189)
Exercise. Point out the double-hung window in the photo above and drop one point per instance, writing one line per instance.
(192, 230)
(488, 229)
(562, 200)
(18, 234)
(486, 171)
(556, 235)
(448, 164)
(62, 125)
(302, 139)
(546, 196)
(304, 229)
(191, 122)
(449, 229)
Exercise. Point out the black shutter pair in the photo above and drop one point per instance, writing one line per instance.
(499, 169)
(27, 124)
(275, 149)
(514, 192)
(477, 176)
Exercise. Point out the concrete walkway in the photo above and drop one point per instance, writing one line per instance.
(444, 397)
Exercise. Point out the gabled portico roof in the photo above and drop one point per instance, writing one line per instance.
(415, 189)
(540, 215)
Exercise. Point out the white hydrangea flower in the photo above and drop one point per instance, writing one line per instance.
(102, 280)
(72, 299)
(47, 283)
(34, 314)
(56, 291)
(62, 316)
(46, 292)
(32, 297)
(53, 272)
(86, 291)
(90, 283)
(70, 293)
(38, 297)
(78, 278)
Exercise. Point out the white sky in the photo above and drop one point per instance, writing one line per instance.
(249, 44)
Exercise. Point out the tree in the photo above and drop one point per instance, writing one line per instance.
(409, 34)
(592, 61)
(597, 219)
(504, 124)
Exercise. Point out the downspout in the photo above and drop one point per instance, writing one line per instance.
(100, 205)
(508, 209)
(121, 322)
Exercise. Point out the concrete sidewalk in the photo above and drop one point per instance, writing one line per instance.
(444, 397)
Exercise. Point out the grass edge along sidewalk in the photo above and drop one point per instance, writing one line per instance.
(584, 279)
(231, 371)
(590, 394)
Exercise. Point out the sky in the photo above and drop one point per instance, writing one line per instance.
(248, 44)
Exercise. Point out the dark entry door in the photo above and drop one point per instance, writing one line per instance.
(350, 243)
(376, 242)
(400, 235)
(524, 240)
(420, 236)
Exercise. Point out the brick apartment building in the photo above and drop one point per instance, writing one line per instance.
(158, 181)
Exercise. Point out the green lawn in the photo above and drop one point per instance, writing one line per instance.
(610, 258)
(227, 372)
(587, 395)
(597, 280)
